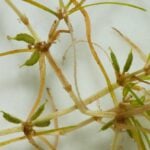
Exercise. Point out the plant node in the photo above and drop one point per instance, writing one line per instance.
(121, 79)
(42, 46)
(28, 129)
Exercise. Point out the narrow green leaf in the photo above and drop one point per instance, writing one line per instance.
(148, 60)
(11, 118)
(33, 59)
(139, 134)
(135, 96)
(114, 62)
(144, 134)
(43, 123)
(23, 37)
(134, 102)
(128, 62)
(110, 3)
(38, 112)
(125, 92)
(107, 125)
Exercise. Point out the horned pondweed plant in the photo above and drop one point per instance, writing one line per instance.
(128, 112)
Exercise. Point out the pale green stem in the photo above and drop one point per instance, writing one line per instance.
(108, 3)
(34, 3)
(10, 131)
(16, 51)
(87, 101)
(115, 140)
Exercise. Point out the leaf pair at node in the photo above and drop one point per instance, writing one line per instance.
(15, 120)
(115, 63)
(24, 37)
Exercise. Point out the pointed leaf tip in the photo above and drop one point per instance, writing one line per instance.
(38, 112)
(128, 62)
(32, 60)
(11, 118)
(114, 61)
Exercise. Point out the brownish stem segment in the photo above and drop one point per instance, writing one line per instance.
(93, 51)
(68, 88)
(62, 78)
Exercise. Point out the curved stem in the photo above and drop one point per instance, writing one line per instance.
(87, 101)
(42, 84)
(93, 51)
(107, 3)
(68, 88)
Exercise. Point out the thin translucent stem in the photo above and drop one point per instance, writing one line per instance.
(56, 123)
(93, 51)
(133, 45)
(68, 88)
(83, 41)
(87, 101)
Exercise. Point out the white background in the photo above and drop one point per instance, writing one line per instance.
(19, 87)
